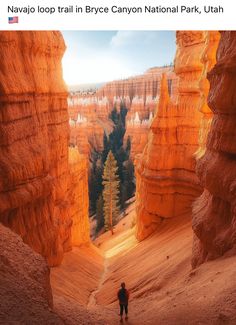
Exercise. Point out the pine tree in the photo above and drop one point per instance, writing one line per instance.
(110, 191)
(128, 146)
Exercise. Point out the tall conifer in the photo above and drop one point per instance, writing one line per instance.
(110, 192)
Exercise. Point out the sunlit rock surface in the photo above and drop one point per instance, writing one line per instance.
(34, 163)
(208, 59)
(78, 196)
(89, 113)
(166, 180)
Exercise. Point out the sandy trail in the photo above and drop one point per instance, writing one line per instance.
(92, 301)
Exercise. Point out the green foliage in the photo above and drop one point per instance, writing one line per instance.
(115, 143)
(128, 146)
(95, 181)
(99, 213)
(106, 147)
(110, 192)
(125, 169)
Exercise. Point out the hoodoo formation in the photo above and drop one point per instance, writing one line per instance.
(89, 113)
(215, 211)
(166, 180)
(35, 189)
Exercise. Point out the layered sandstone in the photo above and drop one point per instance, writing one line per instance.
(34, 165)
(88, 122)
(166, 180)
(25, 291)
(78, 197)
(139, 89)
(208, 59)
(137, 131)
(214, 212)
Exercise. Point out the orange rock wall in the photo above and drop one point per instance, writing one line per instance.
(34, 138)
(139, 138)
(214, 213)
(208, 60)
(79, 199)
(166, 180)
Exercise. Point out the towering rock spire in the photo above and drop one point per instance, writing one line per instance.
(166, 181)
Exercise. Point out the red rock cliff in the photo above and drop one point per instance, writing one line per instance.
(214, 212)
(166, 180)
(34, 131)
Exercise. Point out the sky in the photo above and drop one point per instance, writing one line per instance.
(100, 56)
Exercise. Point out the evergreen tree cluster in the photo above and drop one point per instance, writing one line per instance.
(113, 143)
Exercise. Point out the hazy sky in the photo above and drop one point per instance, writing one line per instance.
(97, 56)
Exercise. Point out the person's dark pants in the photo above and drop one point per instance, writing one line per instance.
(122, 308)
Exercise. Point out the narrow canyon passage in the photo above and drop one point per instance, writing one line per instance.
(157, 272)
(175, 246)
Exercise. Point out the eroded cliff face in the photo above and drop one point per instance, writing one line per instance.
(208, 60)
(25, 291)
(89, 113)
(34, 165)
(166, 180)
(78, 196)
(214, 212)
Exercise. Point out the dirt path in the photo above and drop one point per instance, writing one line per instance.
(92, 301)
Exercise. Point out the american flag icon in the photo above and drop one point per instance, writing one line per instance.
(13, 20)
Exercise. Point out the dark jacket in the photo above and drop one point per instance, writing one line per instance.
(123, 296)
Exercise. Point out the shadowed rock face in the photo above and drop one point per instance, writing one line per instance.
(34, 165)
(25, 291)
(214, 212)
(166, 180)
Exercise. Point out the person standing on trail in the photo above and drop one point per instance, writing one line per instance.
(123, 296)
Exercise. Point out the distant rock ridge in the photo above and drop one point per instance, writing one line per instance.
(140, 94)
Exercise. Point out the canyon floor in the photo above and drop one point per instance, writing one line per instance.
(163, 287)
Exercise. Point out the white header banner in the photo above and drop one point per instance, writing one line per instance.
(113, 15)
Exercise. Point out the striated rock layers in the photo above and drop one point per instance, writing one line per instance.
(25, 291)
(140, 93)
(208, 59)
(166, 180)
(78, 197)
(34, 164)
(89, 112)
(214, 213)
